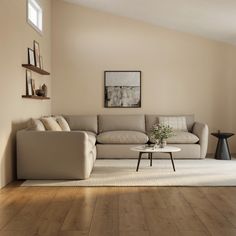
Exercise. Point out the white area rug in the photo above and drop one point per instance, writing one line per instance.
(206, 172)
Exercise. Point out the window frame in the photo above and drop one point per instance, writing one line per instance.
(37, 6)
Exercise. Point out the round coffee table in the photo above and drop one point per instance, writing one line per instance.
(150, 150)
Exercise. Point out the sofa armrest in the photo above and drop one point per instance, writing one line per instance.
(201, 130)
(52, 155)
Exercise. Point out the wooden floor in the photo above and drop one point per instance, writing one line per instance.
(107, 211)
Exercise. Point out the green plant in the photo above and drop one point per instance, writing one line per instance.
(161, 132)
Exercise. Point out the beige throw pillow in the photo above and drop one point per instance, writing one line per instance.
(51, 124)
(178, 123)
(35, 124)
(63, 123)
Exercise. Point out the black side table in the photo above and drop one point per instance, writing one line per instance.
(222, 149)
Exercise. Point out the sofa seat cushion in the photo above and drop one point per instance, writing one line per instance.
(122, 137)
(181, 137)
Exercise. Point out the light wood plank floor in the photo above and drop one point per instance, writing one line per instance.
(107, 211)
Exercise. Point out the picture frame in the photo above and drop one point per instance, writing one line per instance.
(41, 62)
(29, 90)
(33, 86)
(31, 57)
(122, 89)
(37, 54)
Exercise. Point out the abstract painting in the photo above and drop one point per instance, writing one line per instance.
(122, 89)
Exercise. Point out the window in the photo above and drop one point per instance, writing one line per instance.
(35, 15)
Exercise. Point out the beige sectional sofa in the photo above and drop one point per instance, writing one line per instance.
(71, 154)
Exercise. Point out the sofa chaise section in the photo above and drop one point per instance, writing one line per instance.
(58, 155)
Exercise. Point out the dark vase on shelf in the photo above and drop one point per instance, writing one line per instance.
(40, 93)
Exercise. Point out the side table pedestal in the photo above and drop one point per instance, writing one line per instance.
(222, 149)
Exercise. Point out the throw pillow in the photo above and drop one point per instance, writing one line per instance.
(35, 124)
(63, 123)
(178, 123)
(51, 124)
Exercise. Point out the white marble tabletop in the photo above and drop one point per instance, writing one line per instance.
(144, 148)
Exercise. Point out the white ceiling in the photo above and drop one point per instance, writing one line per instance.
(214, 19)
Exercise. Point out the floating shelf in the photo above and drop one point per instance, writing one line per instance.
(35, 97)
(35, 69)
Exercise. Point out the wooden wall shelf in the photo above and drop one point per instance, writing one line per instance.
(35, 97)
(35, 69)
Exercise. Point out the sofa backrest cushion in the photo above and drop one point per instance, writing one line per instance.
(121, 122)
(82, 122)
(35, 124)
(153, 119)
(63, 123)
(50, 123)
(178, 123)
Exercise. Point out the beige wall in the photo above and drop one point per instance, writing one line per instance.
(230, 95)
(15, 36)
(181, 73)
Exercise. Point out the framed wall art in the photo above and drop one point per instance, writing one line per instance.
(29, 90)
(122, 89)
(31, 58)
(37, 54)
(41, 62)
(33, 86)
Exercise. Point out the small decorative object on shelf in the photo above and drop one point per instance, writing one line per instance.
(31, 58)
(159, 133)
(40, 92)
(45, 89)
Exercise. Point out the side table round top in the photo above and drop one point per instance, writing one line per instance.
(151, 149)
(222, 135)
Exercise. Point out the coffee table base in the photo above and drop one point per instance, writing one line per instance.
(150, 157)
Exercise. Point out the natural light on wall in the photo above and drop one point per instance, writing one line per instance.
(35, 15)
